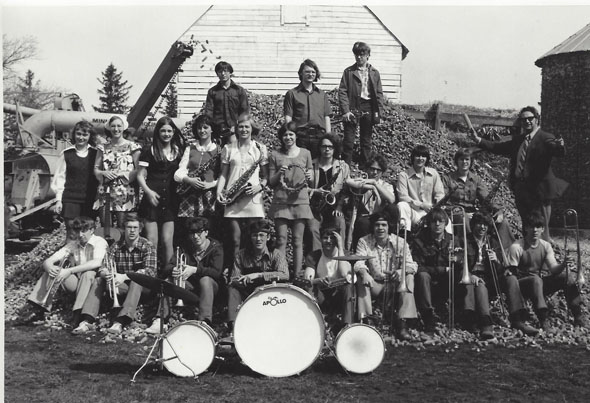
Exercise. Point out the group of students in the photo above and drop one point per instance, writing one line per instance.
(213, 186)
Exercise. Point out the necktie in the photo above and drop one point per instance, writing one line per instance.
(522, 157)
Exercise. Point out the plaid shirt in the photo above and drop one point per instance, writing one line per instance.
(141, 258)
(272, 264)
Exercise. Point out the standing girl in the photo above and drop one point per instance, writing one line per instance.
(290, 165)
(155, 175)
(115, 166)
(244, 164)
(74, 183)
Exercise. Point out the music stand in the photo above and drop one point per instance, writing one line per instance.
(164, 289)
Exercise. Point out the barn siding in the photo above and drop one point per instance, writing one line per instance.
(266, 55)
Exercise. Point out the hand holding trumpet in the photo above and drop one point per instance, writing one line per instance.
(183, 274)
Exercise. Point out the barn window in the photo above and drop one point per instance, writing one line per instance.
(294, 15)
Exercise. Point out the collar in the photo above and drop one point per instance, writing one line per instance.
(532, 134)
(427, 171)
(455, 176)
(211, 147)
(357, 68)
(137, 244)
(219, 86)
(301, 88)
(265, 252)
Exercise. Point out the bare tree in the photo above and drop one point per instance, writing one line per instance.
(16, 50)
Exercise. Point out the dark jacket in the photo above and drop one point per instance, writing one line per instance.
(538, 175)
(431, 257)
(349, 92)
(211, 264)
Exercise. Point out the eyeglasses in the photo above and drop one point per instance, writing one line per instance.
(198, 233)
(326, 147)
(528, 118)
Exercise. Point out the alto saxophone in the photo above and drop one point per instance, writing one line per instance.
(229, 196)
(198, 172)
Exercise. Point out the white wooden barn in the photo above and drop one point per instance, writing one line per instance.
(265, 44)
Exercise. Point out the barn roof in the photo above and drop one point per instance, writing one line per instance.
(578, 42)
(405, 50)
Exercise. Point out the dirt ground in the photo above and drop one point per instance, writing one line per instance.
(53, 366)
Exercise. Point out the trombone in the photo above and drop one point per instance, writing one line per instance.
(457, 211)
(494, 273)
(112, 284)
(52, 288)
(569, 225)
(178, 281)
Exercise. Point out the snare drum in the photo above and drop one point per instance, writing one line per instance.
(359, 348)
(279, 330)
(188, 349)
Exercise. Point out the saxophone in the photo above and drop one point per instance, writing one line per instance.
(323, 196)
(198, 172)
(229, 196)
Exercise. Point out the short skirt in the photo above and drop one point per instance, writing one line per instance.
(290, 211)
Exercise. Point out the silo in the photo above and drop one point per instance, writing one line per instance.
(565, 111)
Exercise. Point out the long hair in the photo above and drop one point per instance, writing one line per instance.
(177, 142)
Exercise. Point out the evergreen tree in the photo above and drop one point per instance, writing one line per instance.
(30, 93)
(172, 101)
(114, 92)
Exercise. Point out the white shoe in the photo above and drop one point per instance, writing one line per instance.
(154, 328)
(83, 327)
(117, 328)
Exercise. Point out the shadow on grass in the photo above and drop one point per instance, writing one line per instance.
(105, 367)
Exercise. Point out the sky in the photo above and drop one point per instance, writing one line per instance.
(462, 54)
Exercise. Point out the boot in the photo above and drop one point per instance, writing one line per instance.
(579, 320)
(518, 324)
(402, 330)
(486, 330)
(429, 323)
(543, 316)
(468, 321)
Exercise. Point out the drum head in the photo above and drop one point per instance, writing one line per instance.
(188, 349)
(279, 330)
(359, 348)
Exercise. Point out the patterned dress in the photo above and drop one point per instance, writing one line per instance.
(239, 162)
(198, 203)
(124, 195)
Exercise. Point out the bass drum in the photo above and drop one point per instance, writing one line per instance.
(359, 348)
(188, 349)
(279, 330)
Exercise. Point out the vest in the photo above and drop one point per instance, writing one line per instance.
(81, 184)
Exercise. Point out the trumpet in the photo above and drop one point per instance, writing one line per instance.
(580, 278)
(51, 289)
(178, 281)
(111, 284)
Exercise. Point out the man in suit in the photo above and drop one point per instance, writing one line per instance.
(361, 101)
(531, 177)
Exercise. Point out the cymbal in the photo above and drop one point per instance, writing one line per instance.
(353, 258)
(167, 288)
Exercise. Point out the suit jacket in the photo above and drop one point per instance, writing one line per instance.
(349, 92)
(538, 175)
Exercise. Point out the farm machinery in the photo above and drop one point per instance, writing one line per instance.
(44, 134)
